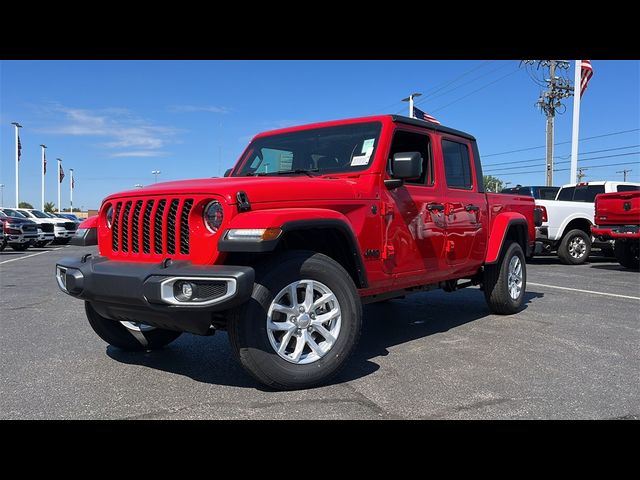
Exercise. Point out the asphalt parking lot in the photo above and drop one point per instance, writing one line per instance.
(574, 352)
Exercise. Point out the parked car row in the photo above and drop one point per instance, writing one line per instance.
(568, 219)
(25, 227)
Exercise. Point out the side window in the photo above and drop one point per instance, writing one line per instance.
(457, 166)
(414, 142)
(628, 188)
(587, 193)
(566, 194)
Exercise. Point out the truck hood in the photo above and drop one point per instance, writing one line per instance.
(258, 189)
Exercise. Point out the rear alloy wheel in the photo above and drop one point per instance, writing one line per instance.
(627, 253)
(574, 248)
(301, 324)
(506, 281)
(129, 335)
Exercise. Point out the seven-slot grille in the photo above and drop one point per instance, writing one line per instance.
(156, 226)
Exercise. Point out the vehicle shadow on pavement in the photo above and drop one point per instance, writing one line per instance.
(616, 267)
(387, 324)
(397, 322)
(553, 260)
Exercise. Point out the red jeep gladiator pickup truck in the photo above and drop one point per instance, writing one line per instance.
(618, 218)
(311, 223)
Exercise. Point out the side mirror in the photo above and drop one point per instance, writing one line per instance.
(404, 165)
(228, 172)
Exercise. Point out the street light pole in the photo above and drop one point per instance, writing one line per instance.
(156, 173)
(2, 194)
(43, 171)
(18, 147)
(410, 100)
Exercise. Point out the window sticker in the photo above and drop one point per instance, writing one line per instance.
(367, 146)
(360, 160)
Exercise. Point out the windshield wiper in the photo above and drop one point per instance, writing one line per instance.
(309, 172)
(256, 174)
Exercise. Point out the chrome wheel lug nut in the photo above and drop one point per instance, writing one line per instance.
(301, 309)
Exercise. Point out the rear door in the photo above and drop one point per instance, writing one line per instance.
(465, 207)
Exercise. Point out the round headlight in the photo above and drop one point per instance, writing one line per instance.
(213, 215)
(109, 216)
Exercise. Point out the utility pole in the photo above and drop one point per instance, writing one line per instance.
(624, 173)
(71, 190)
(1, 194)
(580, 175)
(550, 102)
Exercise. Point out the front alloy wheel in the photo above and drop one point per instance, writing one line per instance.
(303, 321)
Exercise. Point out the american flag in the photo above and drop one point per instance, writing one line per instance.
(44, 163)
(61, 173)
(73, 182)
(417, 113)
(586, 72)
(19, 148)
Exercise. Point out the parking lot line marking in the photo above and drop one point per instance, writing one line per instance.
(583, 291)
(32, 255)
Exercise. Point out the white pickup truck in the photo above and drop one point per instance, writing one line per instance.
(567, 220)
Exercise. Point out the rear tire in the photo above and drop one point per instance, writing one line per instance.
(21, 247)
(574, 248)
(626, 252)
(505, 282)
(126, 335)
(314, 349)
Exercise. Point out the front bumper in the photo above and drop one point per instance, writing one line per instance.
(45, 237)
(20, 239)
(611, 232)
(138, 292)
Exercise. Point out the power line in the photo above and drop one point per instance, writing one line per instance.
(471, 93)
(567, 169)
(562, 143)
(568, 161)
(431, 96)
(446, 83)
(559, 156)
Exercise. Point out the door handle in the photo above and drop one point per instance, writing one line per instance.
(471, 207)
(435, 206)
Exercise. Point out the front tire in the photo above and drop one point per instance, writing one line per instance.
(301, 324)
(627, 253)
(574, 248)
(506, 281)
(128, 335)
(20, 247)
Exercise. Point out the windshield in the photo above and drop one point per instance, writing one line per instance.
(344, 148)
(13, 213)
(39, 214)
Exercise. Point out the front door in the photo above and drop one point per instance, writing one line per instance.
(415, 225)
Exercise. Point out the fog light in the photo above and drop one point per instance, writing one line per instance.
(183, 291)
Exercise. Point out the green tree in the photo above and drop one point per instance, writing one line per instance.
(492, 184)
(25, 205)
(49, 207)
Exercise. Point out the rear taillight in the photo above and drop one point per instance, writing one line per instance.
(543, 211)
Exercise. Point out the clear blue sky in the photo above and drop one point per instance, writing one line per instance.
(115, 121)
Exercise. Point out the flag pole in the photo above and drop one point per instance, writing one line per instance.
(43, 172)
(71, 189)
(17, 126)
(59, 182)
(576, 121)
